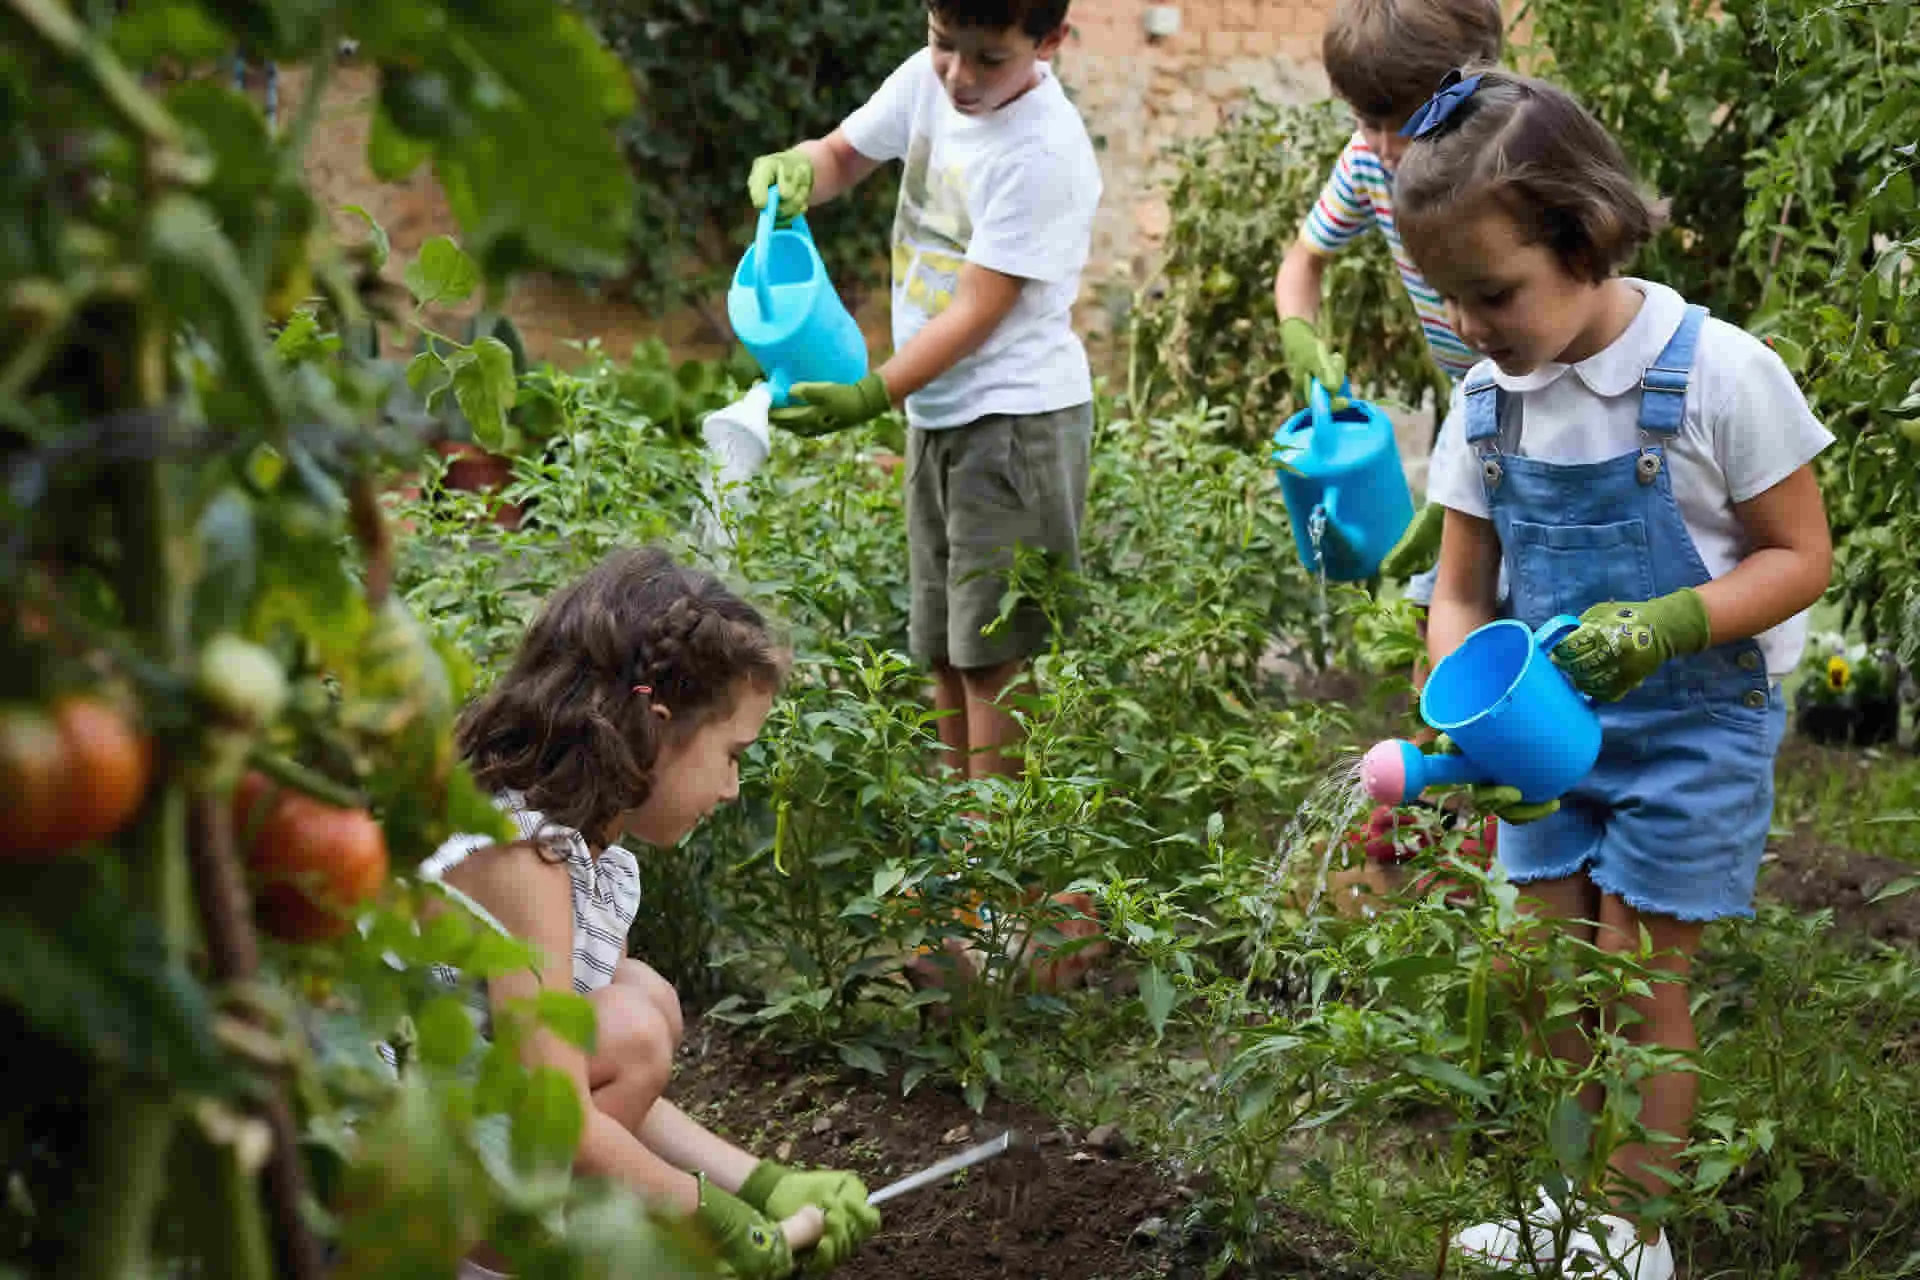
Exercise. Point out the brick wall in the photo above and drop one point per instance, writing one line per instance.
(1141, 94)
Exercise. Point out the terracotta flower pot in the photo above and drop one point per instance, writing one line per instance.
(471, 469)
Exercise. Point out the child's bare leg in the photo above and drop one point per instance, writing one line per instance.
(633, 1053)
(950, 696)
(1666, 1021)
(991, 728)
(645, 979)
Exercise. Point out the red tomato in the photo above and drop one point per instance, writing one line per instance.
(72, 774)
(313, 864)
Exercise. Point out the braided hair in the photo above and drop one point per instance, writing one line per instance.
(571, 723)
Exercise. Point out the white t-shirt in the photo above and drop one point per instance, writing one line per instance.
(1746, 428)
(1013, 191)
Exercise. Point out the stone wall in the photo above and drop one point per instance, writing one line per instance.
(1141, 94)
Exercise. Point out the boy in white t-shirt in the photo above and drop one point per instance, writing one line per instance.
(993, 228)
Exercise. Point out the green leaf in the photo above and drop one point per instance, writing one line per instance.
(376, 235)
(913, 1075)
(975, 1094)
(446, 1032)
(568, 1016)
(1899, 888)
(484, 386)
(1569, 1133)
(887, 879)
(1713, 1171)
(391, 154)
(197, 274)
(91, 971)
(1158, 995)
(442, 273)
(863, 1057)
(1449, 1077)
(547, 1121)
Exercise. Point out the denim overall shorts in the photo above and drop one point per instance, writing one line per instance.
(1674, 817)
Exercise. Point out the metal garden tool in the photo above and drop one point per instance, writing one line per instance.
(803, 1228)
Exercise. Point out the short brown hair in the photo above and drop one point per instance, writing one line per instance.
(1386, 57)
(1036, 19)
(571, 723)
(1536, 154)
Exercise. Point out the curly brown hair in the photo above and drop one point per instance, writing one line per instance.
(1526, 147)
(571, 725)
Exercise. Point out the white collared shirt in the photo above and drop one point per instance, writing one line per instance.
(1746, 428)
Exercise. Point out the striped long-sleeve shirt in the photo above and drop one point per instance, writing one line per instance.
(1359, 195)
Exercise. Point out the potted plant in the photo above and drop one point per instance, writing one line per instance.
(1847, 694)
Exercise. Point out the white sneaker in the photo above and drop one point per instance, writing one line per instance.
(1504, 1244)
(1611, 1249)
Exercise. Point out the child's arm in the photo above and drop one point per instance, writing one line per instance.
(1298, 285)
(981, 300)
(1788, 568)
(1466, 592)
(533, 899)
(837, 167)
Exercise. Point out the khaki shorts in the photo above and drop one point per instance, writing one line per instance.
(973, 493)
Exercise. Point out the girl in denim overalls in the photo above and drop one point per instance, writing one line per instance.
(1644, 467)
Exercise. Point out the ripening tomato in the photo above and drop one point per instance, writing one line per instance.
(32, 764)
(313, 864)
(109, 766)
(73, 774)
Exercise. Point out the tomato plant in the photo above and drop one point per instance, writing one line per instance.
(197, 575)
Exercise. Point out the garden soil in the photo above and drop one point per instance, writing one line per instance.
(1072, 1206)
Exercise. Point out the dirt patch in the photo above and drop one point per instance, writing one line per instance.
(1075, 1206)
(1808, 875)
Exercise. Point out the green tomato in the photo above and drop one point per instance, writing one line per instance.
(241, 681)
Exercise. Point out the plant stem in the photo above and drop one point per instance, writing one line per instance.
(304, 780)
(135, 1132)
(235, 955)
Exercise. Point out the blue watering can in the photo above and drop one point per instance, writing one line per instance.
(785, 311)
(1517, 719)
(1343, 486)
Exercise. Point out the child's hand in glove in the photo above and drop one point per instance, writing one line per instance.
(1503, 803)
(1618, 645)
(780, 1192)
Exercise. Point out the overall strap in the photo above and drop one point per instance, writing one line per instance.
(1483, 397)
(1663, 387)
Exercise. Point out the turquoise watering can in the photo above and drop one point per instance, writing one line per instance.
(1517, 719)
(786, 313)
(1343, 486)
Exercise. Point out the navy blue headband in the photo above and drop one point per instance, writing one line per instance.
(1454, 90)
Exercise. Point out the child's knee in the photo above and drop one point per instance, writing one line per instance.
(643, 978)
(635, 1044)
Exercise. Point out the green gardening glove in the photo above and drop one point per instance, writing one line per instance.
(789, 170)
(1419, 547)
(826, 407)
(1503, 803)
(1310, 360)
(780, 1192)
(750, 1242)
(1618, 645)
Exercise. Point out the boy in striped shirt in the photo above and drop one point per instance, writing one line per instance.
(1384, 59)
